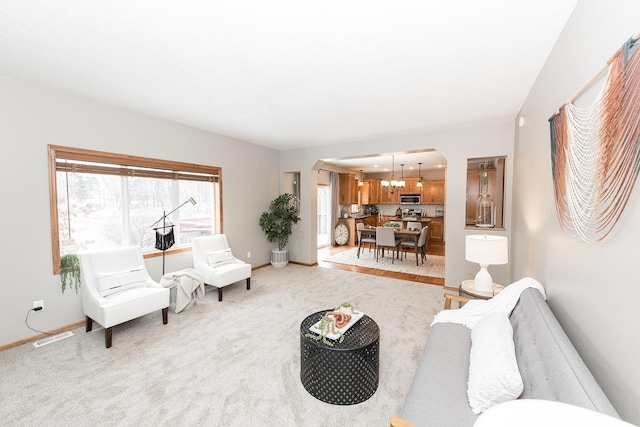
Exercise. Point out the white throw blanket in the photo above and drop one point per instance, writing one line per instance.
(475, 310)
(186, 282)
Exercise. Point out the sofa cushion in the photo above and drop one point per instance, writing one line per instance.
(218, 258)
(438, 394)
(112, 282)
(493, 370)
(551, 367)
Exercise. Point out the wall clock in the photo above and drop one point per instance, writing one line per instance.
(341, 233)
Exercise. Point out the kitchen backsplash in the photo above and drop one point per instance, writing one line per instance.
(427, 210)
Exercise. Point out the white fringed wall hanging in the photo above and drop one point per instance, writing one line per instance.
(595, 151)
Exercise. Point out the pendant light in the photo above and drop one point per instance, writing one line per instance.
(393, 185)
(419, 175)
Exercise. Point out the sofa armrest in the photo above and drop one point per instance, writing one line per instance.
(399, 422)
(449, 297)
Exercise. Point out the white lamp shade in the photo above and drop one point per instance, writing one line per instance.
(486, 249)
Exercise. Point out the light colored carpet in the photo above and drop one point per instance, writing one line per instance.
(229, 363)
(432, 267)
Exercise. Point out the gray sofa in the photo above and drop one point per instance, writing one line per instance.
(550, 367)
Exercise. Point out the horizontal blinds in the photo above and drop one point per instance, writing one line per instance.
(73, 160)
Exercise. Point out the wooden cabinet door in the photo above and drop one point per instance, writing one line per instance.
(433, 192)
(347, 189)
(411, 186)
(387, 198)
(364, 192)
(437, 196)
(369, 192)
(436, 229)
(374, 191)
(371, 221)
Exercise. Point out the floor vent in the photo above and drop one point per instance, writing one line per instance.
(53, 338)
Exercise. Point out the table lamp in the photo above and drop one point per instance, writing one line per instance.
(486, 250)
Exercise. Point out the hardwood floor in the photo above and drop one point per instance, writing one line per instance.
(435, 248)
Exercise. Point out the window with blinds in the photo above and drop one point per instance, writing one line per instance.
(100, 200)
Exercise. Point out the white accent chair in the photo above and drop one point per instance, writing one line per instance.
(213, 259)
(116, 288)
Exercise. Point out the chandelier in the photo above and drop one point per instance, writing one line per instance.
(393, 185)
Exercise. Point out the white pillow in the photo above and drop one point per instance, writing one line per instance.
(493, 369)
(218, 258)
(111, 282)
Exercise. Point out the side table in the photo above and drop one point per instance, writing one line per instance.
(467, 289)
(346, 373)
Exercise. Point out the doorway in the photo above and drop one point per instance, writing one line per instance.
(323, 216)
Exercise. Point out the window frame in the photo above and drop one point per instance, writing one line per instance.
(163, 169)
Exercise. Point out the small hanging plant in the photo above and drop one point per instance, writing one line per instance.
(70, 271)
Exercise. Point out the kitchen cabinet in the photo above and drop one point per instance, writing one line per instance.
(353, 235)
(436, 229)
(433, 192)
(371, 221)
(386, 198)
(385, 219)
(370, 191)
(347, 189)
(411, 186)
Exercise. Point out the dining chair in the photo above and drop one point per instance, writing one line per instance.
(422, 240)
(363, 240)
(386, 238)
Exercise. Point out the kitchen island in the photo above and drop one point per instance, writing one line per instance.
(435, 223)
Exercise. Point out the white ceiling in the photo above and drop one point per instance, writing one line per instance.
(289, 73)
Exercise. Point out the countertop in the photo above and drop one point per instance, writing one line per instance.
(406, 218)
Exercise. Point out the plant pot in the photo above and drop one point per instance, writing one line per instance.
(279, 259)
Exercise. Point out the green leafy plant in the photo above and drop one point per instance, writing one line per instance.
(278, 222)
(327, 325)
(70, 272)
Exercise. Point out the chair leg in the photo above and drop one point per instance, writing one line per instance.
(165, 315)
(219, 294)
(248, 283)
(88, 324)
(108, 334)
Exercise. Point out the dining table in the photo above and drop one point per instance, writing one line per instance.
(402, 233)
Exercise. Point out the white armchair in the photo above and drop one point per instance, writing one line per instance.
(213, 259)
(117, 288)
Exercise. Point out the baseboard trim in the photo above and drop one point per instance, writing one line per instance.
(40, 336)
(304, 263)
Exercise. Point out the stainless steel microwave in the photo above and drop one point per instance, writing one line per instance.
(409, 199)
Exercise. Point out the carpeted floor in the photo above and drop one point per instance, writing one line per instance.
(432, 267)
(229, 363)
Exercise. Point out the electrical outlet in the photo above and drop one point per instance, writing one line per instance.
(39, 304)
(249, 254)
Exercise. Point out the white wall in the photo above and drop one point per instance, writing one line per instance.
(594, 290)
(33, 117)
(456, 145)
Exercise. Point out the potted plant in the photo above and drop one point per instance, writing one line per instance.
(277, 224)
(70, 271)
